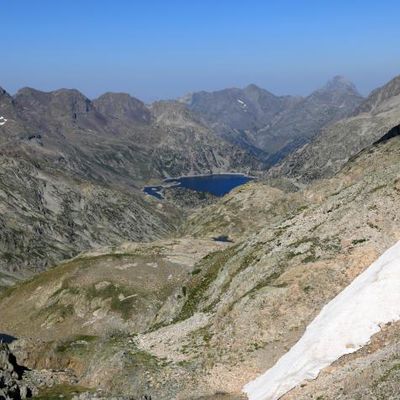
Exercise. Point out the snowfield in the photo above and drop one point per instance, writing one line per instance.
(343, 326)
(2, 121)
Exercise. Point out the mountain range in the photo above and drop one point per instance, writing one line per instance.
(114, 138)
(259, 121)
(72, 171)
(56, 145)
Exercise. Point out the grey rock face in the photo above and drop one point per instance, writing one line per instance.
(241, 109)
(237, 114)
(55, 112)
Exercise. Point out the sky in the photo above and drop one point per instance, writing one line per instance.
(156, 49)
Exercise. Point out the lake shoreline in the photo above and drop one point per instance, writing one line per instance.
(209, 175)
(184, 182)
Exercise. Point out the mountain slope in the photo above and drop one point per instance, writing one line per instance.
(327, 153)
(240, 307)
(189, 147)
(48, 216)
(336, 100)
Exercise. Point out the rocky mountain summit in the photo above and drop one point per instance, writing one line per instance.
(123, 107)
(296, 126)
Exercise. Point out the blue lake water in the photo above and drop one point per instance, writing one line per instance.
(4, 338)
(218, 184)
(154, 191)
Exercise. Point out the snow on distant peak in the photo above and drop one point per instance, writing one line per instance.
(343, 326)
(2, 121)
(242, 104)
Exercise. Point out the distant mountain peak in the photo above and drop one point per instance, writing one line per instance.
(4, 93)
(69, 93)
(186, 99)
(341, 79)
(253, 86)
(122, 105)
(253, 89)
(66, 101)
(27, 91)
(339, 82)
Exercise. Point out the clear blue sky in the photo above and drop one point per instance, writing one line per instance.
(163, 49)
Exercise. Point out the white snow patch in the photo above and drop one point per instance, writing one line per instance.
(242, 103)
(343, 326)
(2, 121)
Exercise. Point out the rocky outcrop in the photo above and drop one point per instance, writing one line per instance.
(12, 384)
(18, 382)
